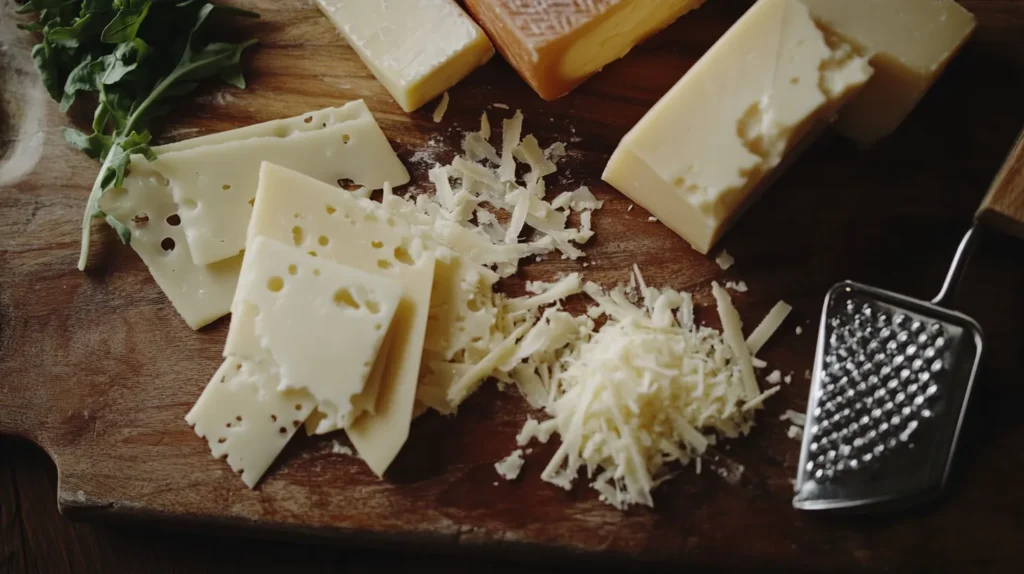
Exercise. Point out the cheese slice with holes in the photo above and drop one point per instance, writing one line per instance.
(708, 148)
(416, 49)
(321, 323)
(336, 226)
(246, 419)
(214, 185)
(200, 293)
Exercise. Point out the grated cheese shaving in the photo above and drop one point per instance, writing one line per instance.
(510, 466)
(794, 417)
(795, 432)
(775, 377)
(724, 260)
(442, 107)
(771, 323)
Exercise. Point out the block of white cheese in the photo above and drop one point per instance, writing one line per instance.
(334, 225)
(417, 48)
(909, 43)
(321, 324)
(704, 151)
(246, 419)
(214, 185)
(199, 292)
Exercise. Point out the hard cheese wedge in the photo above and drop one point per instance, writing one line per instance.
(706, 149)
(245, 418)
(337, 226)
(909, 43)
(200, 293)
(417, 49)
(321, 323)
(214, 185)
(556, 44)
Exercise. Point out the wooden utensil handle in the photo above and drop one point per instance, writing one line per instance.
(1003, 206)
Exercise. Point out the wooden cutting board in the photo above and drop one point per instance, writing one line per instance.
(98, 369)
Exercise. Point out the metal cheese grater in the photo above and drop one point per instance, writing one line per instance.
(892, 376)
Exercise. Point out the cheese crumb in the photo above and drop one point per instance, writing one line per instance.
(442, 107)
(338, 448)
(499, 106)
(788, 378)
(793, 417)
(652, 219)
(775, 377)
(795, 432)
(510, 466)
(724, 260)
(738, 286)
(799, 330)
(630, 208)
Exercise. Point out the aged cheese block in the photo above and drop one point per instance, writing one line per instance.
(909, 43)
(714, 141)
(556, 44)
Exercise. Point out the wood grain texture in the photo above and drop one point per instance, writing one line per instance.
(1003, 206)
(98, 369)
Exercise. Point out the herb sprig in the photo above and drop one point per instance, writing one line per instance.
(135, 56)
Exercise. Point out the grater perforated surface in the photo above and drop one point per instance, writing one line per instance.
(883, 370)
(891, 380)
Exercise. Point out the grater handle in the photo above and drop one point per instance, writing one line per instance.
(1003, 206)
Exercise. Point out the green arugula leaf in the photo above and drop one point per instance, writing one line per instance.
(48, 68)
(125, 25)
(136, 56)
(95, 146)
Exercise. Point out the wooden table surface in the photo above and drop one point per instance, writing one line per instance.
(102, 370)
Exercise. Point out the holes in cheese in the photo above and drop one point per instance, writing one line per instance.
(239, 413)
(318, 330)
(203, 292)
(215, 219)
(353, 228)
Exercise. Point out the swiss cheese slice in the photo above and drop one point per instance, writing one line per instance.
(214, 185)
(711, 144)
(416, 49)
(335, 225)
(200, 293)
(321, 323)
(246, 419)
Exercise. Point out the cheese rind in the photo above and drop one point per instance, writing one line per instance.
(214, 186)
(361, 234)
(909, 43)
(321, 323)
(244, 418)
(417, 50)
(712, 143)
(557, 44)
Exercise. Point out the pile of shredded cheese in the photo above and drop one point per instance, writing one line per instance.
(647, 392)
(472, 331)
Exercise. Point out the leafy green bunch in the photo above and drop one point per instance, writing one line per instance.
(136, 56)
